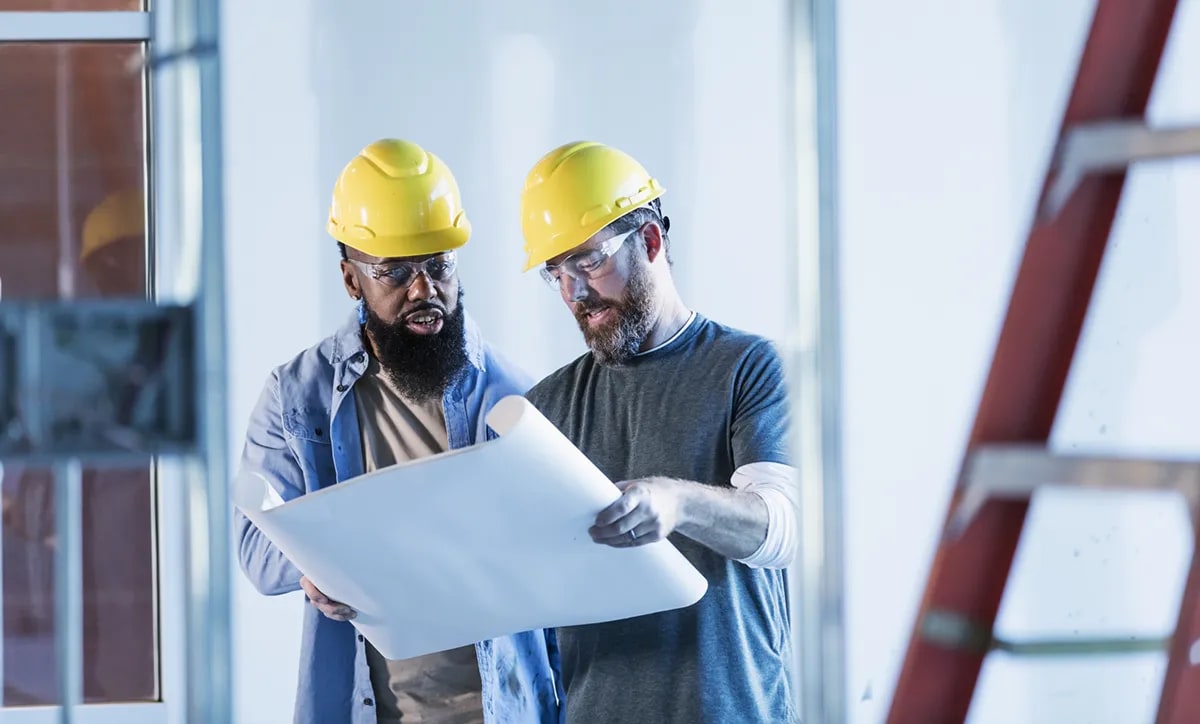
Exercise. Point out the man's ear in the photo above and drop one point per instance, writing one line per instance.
(653, 236)
(350, 279)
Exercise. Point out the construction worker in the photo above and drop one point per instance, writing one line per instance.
(407, 376)
(112, 255)
(689, 418)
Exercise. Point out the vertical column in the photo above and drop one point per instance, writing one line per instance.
(815, 348)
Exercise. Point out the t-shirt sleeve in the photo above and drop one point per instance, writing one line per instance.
(759, 429)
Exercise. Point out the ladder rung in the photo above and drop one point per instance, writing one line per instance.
(1017, 471)
(954, 631)
(1083, 647)
(1109, 146)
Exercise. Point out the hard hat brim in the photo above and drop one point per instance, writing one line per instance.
(392, 247)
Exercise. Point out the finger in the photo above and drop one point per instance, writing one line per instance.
(626, 485)
(641, 536)
(336, 608)
(336, 611)
(644, 534)
(621, 507)
(647, 532)
(314, 594)
(620, 527)
(324, 603)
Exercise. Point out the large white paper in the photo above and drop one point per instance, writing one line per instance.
(474, 543)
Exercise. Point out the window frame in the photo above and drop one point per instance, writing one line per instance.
(168, 500)
(80, 27)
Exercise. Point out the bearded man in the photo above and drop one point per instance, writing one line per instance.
(689, 417)
(407, 376)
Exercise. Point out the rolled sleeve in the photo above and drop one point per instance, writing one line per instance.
(775, 484)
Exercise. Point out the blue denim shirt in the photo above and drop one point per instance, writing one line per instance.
(303, 436)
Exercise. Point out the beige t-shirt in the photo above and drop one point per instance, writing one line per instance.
(443, 687)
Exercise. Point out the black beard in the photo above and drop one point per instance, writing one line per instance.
(619, 340)
(420, 366)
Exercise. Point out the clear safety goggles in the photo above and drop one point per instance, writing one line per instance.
(401, 274)
(585, 264)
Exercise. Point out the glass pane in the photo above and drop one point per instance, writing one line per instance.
(118, 587)
(71, 185)
(71, 5)
(72, 210)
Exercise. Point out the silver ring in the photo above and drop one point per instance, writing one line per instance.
(632, 536)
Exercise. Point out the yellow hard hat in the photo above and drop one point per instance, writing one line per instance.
(121, 215)
(576, 190)
(397, 199)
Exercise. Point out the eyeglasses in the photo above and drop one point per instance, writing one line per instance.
(401, 274)
(585, 264)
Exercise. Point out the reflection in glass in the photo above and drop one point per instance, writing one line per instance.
(118, 587)
(73, 177)
(72, 211)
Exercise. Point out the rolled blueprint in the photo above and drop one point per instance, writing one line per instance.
(473, 543)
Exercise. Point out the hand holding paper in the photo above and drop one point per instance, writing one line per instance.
(333, 609)
(646, 512)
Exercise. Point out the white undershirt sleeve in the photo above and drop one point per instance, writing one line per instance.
(775, 484)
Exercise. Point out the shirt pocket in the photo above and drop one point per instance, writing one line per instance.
(308, 435)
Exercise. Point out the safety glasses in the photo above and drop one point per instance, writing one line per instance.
(401, 274)
(585, 264)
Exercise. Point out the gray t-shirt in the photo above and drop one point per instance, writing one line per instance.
(697, 408)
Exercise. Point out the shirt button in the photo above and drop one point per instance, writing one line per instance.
(368, 702)
(341, 388)
(360, 638)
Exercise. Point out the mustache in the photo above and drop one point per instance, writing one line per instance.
(424, 307)
(587, 306)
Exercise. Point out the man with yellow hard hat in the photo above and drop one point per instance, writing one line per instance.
(113, 249)
(408, 376)
(690, 416)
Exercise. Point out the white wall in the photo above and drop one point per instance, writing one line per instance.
(948, 111)
(691, 89)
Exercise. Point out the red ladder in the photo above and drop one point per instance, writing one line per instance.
(1006, 458)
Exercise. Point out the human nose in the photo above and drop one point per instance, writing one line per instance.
(574, 289)
(421, 288)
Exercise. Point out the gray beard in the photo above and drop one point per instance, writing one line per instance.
(617, 341)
